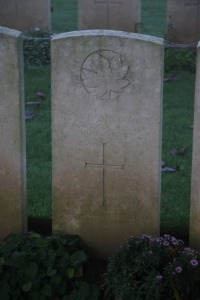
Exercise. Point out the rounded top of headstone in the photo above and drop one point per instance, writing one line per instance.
(8, 31)
(114, 33)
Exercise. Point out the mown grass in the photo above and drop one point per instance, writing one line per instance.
(38, 136)
(64, 16)
(177, 117)
(153, 17)
(177, 133)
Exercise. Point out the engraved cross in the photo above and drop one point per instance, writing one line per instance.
(104, 166)
(107, 3)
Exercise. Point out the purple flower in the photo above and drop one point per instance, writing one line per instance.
(178, 269)
(174, 242)
(160, 239)
(194, 262)
(166, 235)
(165, 243)
(187, 249)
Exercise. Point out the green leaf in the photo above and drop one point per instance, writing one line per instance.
(34, 235)
(56, 279)
(2, 260)
(31, 270)
(26, 287)
(70, 272)
(51, 272)
(83, 292)
(35, 296)
(47, 290)
(4, 291)
(79, 272)
(78, 256)
(94, 292)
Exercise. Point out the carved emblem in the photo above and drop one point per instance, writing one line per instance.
(104, 74)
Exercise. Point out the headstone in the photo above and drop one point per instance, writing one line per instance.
(183, 21)
(106, 124)
(25, 14)
(109, 14)
(12, 132)
(195, 189)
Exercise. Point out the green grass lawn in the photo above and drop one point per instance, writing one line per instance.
(177, 133)
(38, 136)
(153, 17)
(64, 15)
(177, 119)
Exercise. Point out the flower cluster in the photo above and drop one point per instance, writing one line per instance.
(160, 267)
(179, 259)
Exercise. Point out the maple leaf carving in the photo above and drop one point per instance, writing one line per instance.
(104, 74)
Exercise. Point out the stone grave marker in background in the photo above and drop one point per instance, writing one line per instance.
(106, 125)
(195, 189)
(12, 132)
(25, 14)
(109, 14)
(183, 21)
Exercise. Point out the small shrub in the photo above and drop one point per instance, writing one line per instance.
(177, 59)
(154, 268)
(33, 267)
(37, 47)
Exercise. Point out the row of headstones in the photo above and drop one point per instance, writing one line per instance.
(106, 137)
(183, 16)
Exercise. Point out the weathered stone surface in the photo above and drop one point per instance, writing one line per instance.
(25, 14)
(195, 189)
(183, 21)
(109, 14)
(106, 124)
(12, 132)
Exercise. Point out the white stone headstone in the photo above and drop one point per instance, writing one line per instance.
(106, 125)
(195, 189)
(12, 132)
(109, 14)
(183, 21)
(25, 14)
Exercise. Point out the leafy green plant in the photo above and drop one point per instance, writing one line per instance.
(149, 268)
(39, 268)
(36, 47)
(180, 59)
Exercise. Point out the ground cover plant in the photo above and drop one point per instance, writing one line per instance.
(148, 267)
(62, 268)
(35, 267)
(177, 123)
